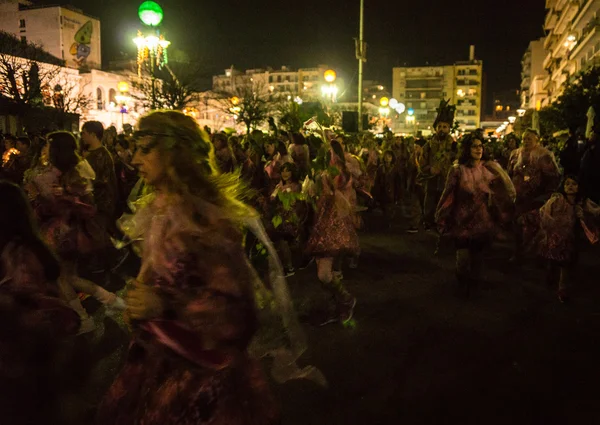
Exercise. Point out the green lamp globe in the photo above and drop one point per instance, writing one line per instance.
(150, 13)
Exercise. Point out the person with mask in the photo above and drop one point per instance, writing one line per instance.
(438, 155)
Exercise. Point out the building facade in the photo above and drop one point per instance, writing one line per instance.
(533, 75)
(421, 89)
(305, 83)
(572, 43)
(63, 31)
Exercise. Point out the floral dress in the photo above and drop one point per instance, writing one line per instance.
(334, 230)
(561, 230)
(190, 365)
(475, 201)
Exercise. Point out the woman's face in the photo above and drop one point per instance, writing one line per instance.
(147, 159)
(512, 144)
(270, 149)
(286, 174)
(571, 187)
(388, 158)
(476, 150)
(530, 141)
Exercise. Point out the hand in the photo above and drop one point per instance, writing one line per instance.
(579, 211)
(143, 303)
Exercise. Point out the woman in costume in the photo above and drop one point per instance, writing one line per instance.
(64, 199)
(35, 322)
(567, 220)
(478, 196)
(192, 309)
(535, 175)
(334, 234)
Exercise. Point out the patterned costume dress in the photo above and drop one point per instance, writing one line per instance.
(35, 324)
(190, 366)
(561, 230)
(475, 200)
(65, 204)
(535, 176)
(334, 231)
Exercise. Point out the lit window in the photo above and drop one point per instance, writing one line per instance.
(499, 108)
(22, 23)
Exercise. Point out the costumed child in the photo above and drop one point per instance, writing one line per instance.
(566, 220)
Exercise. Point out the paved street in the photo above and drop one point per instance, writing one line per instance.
(419, 355)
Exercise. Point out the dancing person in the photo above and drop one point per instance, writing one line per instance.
(478, 196)
(334, 234)
(35, 322)
(438, 155)
(536, 176)
(388, 187)
(192, 308)
(291, 211)
(567, 219)
(66, 200)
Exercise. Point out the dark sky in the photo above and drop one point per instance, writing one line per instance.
(259, 33)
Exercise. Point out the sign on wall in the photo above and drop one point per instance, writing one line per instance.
(81, 40)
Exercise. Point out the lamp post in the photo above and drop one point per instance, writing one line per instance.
(361, 56)
(152, 47)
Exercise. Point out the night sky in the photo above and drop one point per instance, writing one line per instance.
(260, 33)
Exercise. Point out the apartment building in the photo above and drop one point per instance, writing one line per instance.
(572, 43)
(421, 89)
(533, 75)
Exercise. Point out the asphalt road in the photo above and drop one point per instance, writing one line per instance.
(417, 354)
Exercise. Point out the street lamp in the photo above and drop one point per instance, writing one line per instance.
(123, 100)
(512, 120)
(521, 112)
(153, 47)
(330, 90)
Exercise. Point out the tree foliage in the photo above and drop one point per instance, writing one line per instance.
(250, 104)
(583, 91)
(293, 115)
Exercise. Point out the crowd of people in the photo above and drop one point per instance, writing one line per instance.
(219, 220)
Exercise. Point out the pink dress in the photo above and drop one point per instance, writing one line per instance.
(334, 231)
(191, 365)
(475, 201)
(560, 228)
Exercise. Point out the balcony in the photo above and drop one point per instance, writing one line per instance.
(585, 14)
(549, 42)
(551, 19)
(566, 17)
(589, 37)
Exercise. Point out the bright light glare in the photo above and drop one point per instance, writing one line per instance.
(393, 103)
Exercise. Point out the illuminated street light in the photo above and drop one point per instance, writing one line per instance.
(152, 48)
(512, 119)
(150, 13)
(400, 108)
(123, 100)
(384, 101)
(521, 112)
(330, 76)
(393, 103)
(410, 112)
(505, 123)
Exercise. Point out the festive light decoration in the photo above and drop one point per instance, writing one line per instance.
(384, 101)
(150, 13)
(151, 47)
(7, 155)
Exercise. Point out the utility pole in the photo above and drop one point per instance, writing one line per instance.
(361, 55)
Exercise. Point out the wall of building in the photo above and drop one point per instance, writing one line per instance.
(81, 39)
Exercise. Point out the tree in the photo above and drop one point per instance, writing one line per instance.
(69, 96)
(175, 84)
(24, 69)
(580, 93)
(250, 104)
(293, 116)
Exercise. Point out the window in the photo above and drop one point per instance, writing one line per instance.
(23, 39)
(279, 78)
(270, 78)
(21, 23)
(99, 99)
(409, 104)
(112, 96)
(423, 95)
